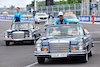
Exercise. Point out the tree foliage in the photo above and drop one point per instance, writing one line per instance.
(60, 2)
(12, 7)
(42, 3)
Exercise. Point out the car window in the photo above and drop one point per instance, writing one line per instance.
(70, 17)
(18, 26)
(65, 31)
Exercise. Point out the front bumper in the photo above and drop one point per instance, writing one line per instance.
(13, 40)
(72, 53)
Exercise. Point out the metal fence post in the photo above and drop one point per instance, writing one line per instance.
(75, 9)
(52, 9)
(69, 7)
(41, 9)
(47, 9)
(58, 8)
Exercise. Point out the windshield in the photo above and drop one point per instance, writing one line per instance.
(42, 14)
(51, 21)
(65, 30)
(21, 26)
(70, 17)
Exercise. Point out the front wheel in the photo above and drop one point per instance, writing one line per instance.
(7, 43)
(35, 22)
(40, 60)
(91, 53)
(38, 23)
(85, 58)
(33, 42)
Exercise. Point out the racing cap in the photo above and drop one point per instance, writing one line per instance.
(60, 13)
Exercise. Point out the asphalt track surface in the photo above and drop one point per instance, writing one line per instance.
(22, 55)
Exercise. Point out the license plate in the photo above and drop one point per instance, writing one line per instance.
(57, 55)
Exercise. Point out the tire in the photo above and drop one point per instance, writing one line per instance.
(41, 60)
(35, 22)
(85, 58)
(38, 23)
(7, 43)
(45, 30)
(91, 53)
(34, 41)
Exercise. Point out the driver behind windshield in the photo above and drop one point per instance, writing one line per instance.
(55, 31)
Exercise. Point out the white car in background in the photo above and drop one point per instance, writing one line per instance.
(41, 17)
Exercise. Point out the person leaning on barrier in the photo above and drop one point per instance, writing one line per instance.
(61, 19)
(17, 16)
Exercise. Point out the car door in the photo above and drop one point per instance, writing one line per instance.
(88, 39)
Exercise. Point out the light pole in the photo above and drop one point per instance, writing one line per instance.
(35, 5)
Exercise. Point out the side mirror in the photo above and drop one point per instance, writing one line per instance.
(88, 33)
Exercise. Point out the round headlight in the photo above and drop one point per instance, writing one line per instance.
(38, 45)
(80, 45)
(38, 49)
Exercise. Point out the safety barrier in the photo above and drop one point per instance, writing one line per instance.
(81, 18)
(88, 18)
(11, 18)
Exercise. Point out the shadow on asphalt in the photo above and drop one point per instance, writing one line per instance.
(2, 43)
(21, 44)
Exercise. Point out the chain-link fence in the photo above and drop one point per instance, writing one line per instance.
(75, 8)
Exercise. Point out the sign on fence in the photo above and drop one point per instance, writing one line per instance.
(11, 18)
(81, 18)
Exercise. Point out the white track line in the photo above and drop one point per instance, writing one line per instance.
(32, 64)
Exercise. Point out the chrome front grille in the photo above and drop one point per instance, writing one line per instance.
(18, 35)
(59, 47)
